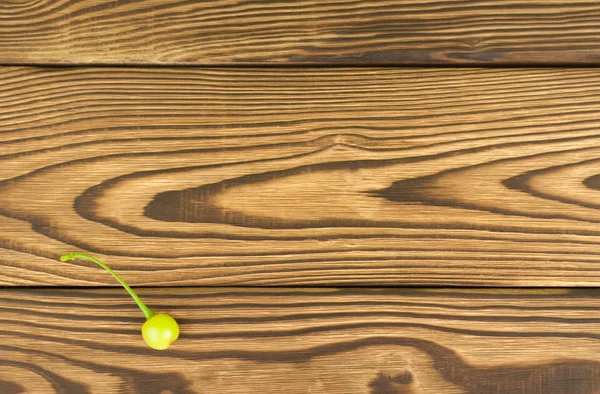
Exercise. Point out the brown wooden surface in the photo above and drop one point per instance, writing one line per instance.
(323, 177)
(299, 32)
(304, 341)
(301, 177)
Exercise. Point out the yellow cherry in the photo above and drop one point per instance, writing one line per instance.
(160, 331)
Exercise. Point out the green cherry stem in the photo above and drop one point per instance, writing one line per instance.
(71, 256)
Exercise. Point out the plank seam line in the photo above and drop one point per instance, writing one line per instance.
(313, 287)
(308, 65)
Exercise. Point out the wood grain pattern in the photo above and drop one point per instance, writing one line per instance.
(294, 177)
(304, 341)
(299, 32)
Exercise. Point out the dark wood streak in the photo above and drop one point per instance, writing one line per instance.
(133, 380)
(9, 387)
(593, 182)
(568, 377)
(398, 384)
(196, 205)
(424, 190)
(60, 384)
(523, 183)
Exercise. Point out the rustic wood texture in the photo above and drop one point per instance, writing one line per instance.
(303, 341)
(299, 32)
(301, 177)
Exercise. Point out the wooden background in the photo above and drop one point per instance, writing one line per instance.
(331, 197)
(338, 32)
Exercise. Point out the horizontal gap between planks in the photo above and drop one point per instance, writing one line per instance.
(305, 65)
(312, 287)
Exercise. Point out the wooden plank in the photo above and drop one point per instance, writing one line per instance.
(304, 341)
(300, 32)
(294, 177)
